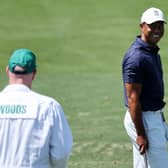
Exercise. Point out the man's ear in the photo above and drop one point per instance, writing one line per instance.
(141, 25)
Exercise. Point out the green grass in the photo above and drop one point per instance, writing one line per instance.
(79, 46)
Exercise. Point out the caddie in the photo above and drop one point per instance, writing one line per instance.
(34, 132)
(144, 93)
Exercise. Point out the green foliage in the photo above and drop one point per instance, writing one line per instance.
(79, 46)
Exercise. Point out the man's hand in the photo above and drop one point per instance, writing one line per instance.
(134, 93)
(143, 144)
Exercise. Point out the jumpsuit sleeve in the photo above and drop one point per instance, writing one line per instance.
(61, 138)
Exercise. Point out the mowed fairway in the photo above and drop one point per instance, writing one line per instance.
(79, 46)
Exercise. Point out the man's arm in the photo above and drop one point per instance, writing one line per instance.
(133, 93)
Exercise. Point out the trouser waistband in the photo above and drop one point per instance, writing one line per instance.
(158, 111)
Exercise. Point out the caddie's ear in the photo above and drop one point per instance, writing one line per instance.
(7, 70)
(34, 74)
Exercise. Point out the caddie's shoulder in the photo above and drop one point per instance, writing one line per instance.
(3, 95)
(45, 99)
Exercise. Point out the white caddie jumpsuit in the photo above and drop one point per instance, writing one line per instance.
(34, 132)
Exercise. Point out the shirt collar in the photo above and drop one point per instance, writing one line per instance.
(16, 87)
(147, 46)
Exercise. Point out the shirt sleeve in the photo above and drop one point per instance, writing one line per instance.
(132, 69)
(61, 139)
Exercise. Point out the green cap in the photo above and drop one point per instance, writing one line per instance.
(23, 58)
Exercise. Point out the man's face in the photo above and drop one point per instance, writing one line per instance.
(152, 33)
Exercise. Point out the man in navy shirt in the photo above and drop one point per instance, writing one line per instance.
(144, 94)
